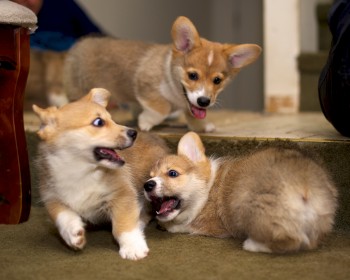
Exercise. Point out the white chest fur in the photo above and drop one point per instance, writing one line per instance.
(80, 185)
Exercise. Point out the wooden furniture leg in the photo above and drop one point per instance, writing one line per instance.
(15, 188)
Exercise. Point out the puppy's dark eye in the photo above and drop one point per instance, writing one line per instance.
(98, 122)
(217, 80)
(193, 76)
(173, 173)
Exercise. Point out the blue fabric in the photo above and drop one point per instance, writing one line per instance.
(60, 24)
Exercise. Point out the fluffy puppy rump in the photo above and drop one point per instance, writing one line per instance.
(282, 201)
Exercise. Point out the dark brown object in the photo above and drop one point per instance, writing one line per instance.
(15, 189)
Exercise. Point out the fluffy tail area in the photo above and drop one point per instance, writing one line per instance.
(300, 224)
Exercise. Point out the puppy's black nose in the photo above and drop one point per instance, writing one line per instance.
(149, 185)
(132, 133)
(203, 101)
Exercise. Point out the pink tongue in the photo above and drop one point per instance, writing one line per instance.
(167, 206)
(110, 152)
(198, 112)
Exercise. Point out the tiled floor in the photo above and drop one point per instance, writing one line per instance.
(302, 126)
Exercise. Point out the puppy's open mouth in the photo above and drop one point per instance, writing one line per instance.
(198, 113)
(102, 153)
(165, 205)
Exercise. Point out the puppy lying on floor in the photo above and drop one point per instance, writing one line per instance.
(278, 200)
(186, 75)
(92, 170)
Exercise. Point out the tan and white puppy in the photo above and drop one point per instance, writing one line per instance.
(277, 200)
(92, 171)
(186, 75)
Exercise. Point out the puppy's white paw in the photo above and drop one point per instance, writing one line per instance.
(254, 246)
(71, 229)
(133, 245)
(209, 127)
(148, 119)
(144, 125)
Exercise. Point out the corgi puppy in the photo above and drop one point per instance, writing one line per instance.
(278, 200)
(186, 75)
(91, 172)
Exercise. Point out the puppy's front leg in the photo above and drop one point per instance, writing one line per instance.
(198, 125)
(155, 111)
(127, 227)
(68, 223)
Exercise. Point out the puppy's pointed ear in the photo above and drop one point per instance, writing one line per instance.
(191, 146)
(98, 95)
(48, 118)
(242, 55)
(185, 35)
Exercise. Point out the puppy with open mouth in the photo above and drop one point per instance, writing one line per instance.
(186, 75)
(276, 200)
(91, 172)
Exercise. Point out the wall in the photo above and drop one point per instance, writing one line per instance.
(308, 25)
(241, 21)
(282, 46)
(290, 28)
(148, 20)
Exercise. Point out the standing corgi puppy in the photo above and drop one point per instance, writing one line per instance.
(91, 171)
(187, 75)
(278, 200)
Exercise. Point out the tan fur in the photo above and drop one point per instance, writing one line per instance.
(277, 199)
(78, 188)
(157, 77)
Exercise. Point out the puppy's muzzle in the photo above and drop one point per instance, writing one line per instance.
(149, 185)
